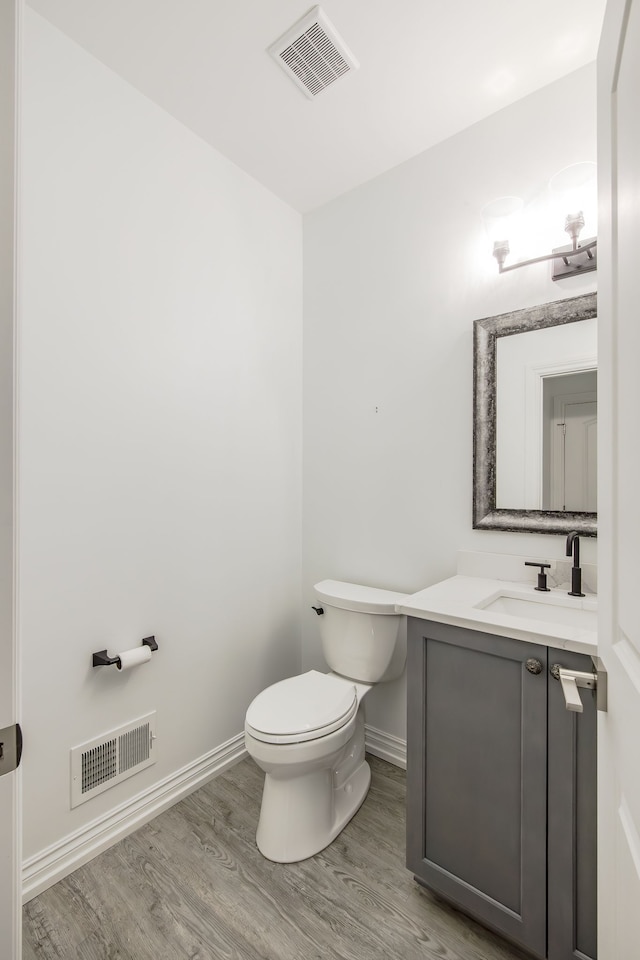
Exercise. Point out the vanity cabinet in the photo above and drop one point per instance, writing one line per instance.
(501, 786)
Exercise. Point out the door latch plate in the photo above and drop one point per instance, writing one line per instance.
(10, 748)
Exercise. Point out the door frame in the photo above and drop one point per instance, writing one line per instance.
(616, 915)
(10, 783)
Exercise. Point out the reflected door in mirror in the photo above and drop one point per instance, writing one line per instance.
(539, 467)
(570, 442)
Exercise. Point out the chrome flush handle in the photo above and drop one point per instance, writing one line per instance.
(571, 680)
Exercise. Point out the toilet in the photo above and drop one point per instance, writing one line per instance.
(307, 732)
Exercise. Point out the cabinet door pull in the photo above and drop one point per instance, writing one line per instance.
(533, 665)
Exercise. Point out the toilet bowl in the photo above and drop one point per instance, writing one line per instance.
(307, 732)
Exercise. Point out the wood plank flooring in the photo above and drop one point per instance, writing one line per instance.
(191, 885)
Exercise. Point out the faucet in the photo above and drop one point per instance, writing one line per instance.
(573, 546)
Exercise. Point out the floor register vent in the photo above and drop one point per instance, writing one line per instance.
(313, 53)
(111, 758)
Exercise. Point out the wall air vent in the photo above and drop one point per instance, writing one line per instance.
(313, 54)
(111, 758)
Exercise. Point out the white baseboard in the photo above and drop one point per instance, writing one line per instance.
(62, 858)
(383, 745)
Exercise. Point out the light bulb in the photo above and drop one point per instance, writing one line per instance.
(500, 218)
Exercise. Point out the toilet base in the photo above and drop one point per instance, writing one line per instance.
(303, 814)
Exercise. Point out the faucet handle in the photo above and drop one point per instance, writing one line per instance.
(542, 577)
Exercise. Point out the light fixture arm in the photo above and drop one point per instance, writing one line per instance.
(573, 192)
(500, 251)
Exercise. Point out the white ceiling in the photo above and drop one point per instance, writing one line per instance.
(428, 68)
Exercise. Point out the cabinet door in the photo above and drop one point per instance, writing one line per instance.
(572, 855)
(477, 776)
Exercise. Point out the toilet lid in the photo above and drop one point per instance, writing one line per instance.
(302, 708)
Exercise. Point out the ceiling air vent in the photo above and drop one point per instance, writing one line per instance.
(313, 54)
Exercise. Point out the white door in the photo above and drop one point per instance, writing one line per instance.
(619, 481)
(574, 453)
(9, 834)
(579, 461)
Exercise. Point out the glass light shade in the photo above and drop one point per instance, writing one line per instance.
(574, 190)
(500, 218)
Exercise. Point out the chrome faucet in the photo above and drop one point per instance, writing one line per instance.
(573, 546)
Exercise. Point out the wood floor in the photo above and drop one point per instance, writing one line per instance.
(191, 885)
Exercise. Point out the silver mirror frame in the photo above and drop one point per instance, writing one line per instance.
(485, 335)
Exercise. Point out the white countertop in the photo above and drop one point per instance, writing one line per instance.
(456, 601)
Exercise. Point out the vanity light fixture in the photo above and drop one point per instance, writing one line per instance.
(572, 189)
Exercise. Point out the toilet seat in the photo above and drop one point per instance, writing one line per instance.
(302, 708)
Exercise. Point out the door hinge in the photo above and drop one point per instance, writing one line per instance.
(10, 748)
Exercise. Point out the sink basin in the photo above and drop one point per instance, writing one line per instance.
(567, 614)
(510, 608)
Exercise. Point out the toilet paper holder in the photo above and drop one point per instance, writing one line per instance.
(102, 658)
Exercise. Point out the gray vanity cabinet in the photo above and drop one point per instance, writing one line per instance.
(490, 749)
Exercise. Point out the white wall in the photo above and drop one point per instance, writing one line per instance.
(160, 429)
(395, 273)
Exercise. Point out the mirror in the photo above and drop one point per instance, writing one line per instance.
(535, 419)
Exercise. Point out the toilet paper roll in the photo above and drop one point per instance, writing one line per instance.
(131, 658)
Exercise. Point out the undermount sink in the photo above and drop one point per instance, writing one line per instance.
(567, 613)
(510, 608)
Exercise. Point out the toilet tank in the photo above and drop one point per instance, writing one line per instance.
(363, 638)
